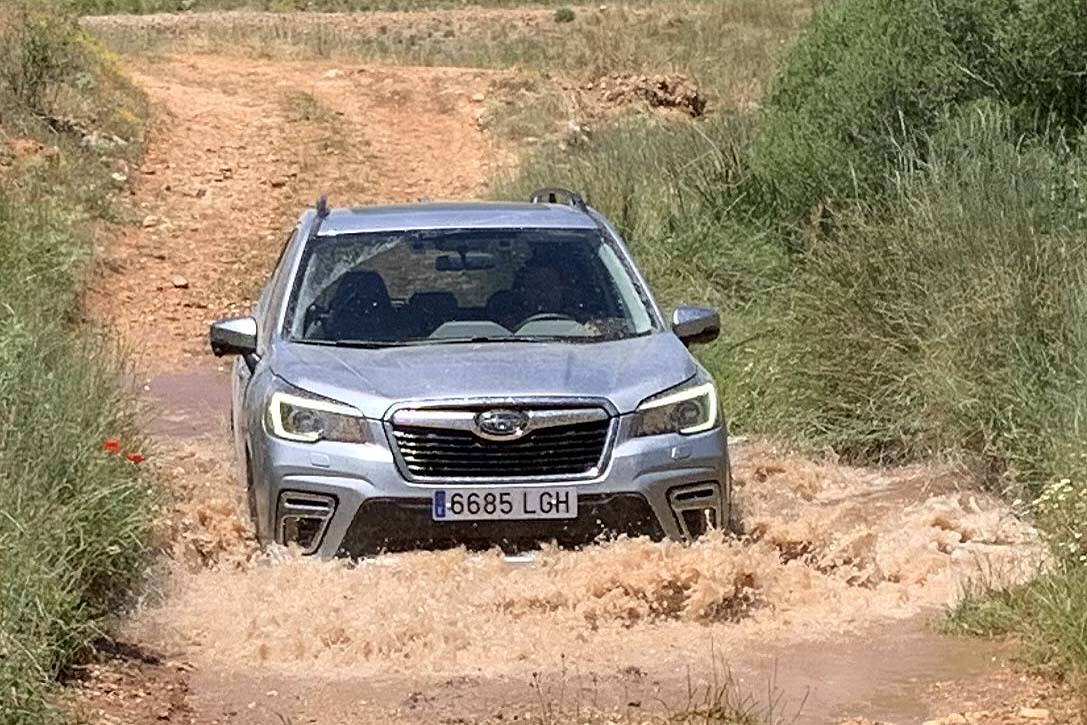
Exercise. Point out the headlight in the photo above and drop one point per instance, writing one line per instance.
(691, 409)
(309, 420)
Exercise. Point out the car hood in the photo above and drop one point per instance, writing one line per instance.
(626, 372)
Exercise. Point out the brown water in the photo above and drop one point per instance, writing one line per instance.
(183, 406)
(829, 596)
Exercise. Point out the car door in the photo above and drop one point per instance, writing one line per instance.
(264, 313)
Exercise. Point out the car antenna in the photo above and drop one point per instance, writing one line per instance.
(322, 213)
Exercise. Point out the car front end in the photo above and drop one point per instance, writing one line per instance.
(427, 474)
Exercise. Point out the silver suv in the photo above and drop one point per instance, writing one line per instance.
(477, 374)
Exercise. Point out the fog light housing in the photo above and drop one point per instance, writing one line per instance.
(303, 519)
(697, 508)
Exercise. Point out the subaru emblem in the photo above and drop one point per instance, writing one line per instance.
(504, 424)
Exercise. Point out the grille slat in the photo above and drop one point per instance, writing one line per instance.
(501, 457)
(467, 448)
(460, 437)
(559, 451)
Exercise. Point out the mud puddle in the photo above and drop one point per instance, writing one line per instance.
(886, 676)
(184, 406)
(825, 603)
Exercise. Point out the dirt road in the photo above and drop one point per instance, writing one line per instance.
(824, 607)
(240, 147)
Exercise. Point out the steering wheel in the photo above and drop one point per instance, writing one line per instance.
(545, 317)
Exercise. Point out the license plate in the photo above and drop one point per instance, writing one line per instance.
(495, 503)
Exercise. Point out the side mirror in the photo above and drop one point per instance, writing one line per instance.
(235, 336)
(696, 325)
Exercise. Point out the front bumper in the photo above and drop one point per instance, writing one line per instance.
(668, 486)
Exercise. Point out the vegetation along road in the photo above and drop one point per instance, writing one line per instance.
(886, 199)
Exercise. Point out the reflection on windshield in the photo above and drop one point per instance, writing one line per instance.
(464, 285)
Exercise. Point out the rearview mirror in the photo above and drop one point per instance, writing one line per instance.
(467, 262)
(234, 336)
(696, 325)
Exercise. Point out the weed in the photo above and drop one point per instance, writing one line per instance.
(302, 106)
(565, 15)
(718, 698)
(1047, 615)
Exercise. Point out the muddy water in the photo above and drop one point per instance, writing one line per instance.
(828, 596)
(884, 673)
(187, 405)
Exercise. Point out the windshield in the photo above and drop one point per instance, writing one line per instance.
(451, 285)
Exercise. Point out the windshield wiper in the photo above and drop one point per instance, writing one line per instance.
(483, 339)
(361, 344)
(491, 338)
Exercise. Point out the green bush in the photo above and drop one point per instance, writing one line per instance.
(871, 79)
(862, 83)
(38, 48)
(1043, 70)
(565, 15)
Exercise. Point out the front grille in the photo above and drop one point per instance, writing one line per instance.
(393, 525)
(558, 451)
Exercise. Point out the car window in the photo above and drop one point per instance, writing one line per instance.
(262, 310)
(430, 286)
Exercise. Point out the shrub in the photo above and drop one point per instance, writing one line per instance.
(38, 48)
(564, 15)
(1043, 70)
(871, 79)
(862, 83)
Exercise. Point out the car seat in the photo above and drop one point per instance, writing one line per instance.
(430, 310)
(361, 309)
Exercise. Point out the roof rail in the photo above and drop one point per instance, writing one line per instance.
(552, 195)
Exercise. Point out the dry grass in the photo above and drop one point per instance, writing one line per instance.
(729, 48)
(90, 7)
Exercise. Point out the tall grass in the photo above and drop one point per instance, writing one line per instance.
(950, 316)
(73, 519)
